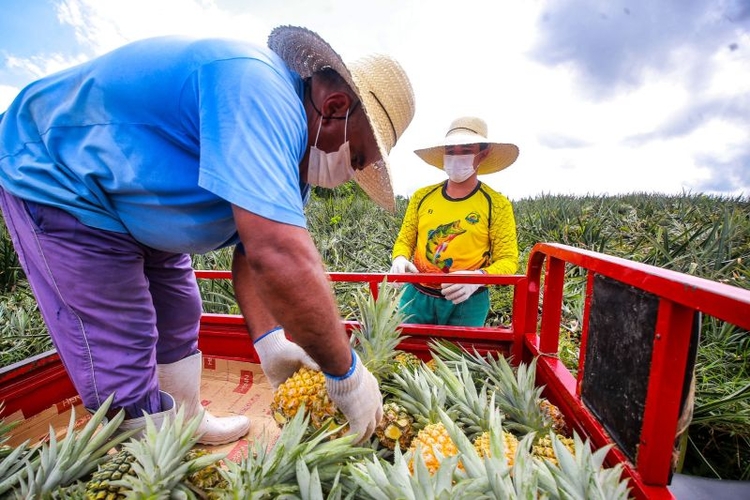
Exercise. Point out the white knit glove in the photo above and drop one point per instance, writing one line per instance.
(459, 292)
(358, 397)
(402, 265)
(280, 357)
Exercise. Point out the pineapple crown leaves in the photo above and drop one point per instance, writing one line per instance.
(420, 392)
(159, 464)
(581, 474)
(472, 405)
(525, 472)
(12, 465)
(273, 468)
(76, 455)
(310, 485)
(517, 394)
(378, 334)
(380, 479)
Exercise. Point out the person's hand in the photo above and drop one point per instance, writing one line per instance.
(459, 292)
(402, 265)
(280, 357)
(358, 397)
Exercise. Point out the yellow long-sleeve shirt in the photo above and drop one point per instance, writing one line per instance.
(442, 235)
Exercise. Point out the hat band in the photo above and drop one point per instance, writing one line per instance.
(463, 128)
(390, 122)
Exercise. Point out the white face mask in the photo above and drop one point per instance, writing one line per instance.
(329, 170)
(458, 167)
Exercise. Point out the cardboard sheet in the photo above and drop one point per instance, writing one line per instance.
(227, 388)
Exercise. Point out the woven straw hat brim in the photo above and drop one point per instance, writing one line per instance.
(501, 155)
(378, 81)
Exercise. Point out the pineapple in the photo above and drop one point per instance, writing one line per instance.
(305, 389)
(158, 466)
(553, 415)
(100, 487)
(56, 464)
(543, 447)
(207, 478)
(482, 445)
(433, 444)
(375, 341)
(276, 470)
(406, 360)
(396, 427)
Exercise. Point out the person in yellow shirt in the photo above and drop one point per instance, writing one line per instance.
(460, 225)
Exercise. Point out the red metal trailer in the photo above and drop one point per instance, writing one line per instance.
(639, 337)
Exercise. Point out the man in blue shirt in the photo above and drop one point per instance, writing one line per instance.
(113, 172)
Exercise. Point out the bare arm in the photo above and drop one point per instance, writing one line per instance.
(280, 281)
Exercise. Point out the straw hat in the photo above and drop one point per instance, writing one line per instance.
(380, 84)
(471, 130)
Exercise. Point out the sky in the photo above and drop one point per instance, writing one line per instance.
(602, 97)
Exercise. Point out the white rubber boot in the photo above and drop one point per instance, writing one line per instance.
(168, 412)
(182, 380)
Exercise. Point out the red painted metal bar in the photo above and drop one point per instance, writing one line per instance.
(725, 302)
(584, 330)
(552, 303)
(671, 346)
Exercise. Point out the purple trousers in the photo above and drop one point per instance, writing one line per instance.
(114, 308)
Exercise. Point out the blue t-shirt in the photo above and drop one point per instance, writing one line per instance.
(159, 138)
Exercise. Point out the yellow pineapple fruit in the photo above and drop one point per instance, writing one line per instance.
(406, 359)
(99, 487)
(482, 445)
(306, 388)
(554, 416)
(375, 341)
(543, 448)
(396, 426)
(206, 478)
(433, 442)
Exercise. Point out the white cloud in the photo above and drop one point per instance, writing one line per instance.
(668, 113)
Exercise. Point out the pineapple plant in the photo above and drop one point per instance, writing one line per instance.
(375, 341)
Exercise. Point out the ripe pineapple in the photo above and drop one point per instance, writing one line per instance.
(482, 445)
(205, 478)
(375, 341)
(396, 427)
(405, 359)
(433, 443)
(553, 415)
(543, 447)
(306, 388)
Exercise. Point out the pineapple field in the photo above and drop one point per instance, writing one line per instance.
(447, 423)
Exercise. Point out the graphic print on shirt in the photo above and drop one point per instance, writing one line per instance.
(437, 242)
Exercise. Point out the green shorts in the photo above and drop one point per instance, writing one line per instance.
(426, 309)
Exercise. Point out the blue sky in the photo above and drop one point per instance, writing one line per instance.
(601, 96)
